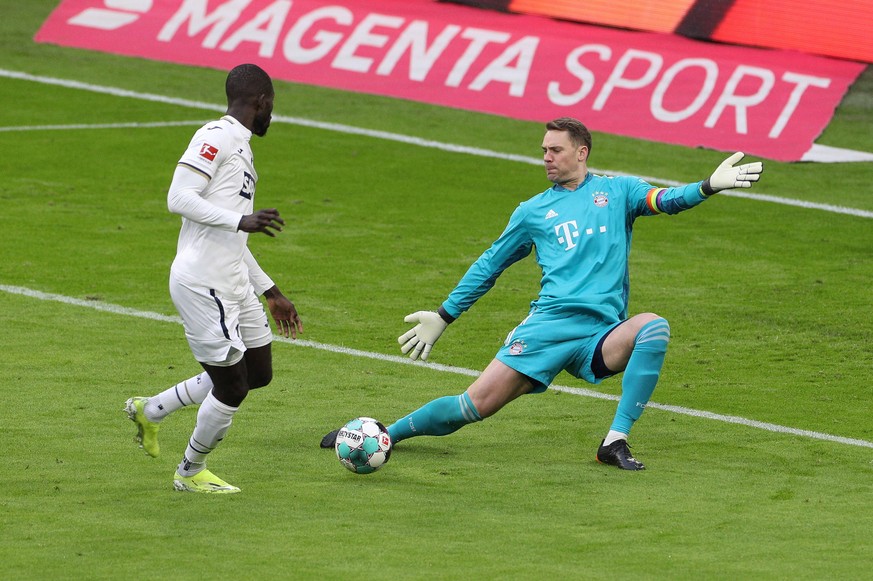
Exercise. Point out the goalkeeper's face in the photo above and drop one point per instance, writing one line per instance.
(564, 162)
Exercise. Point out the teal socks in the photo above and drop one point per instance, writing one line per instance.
(642, 373)
(439, 417)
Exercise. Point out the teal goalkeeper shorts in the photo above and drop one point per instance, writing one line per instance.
(546, 343)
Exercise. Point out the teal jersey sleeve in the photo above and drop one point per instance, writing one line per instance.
(647, 200)
(582, 241)
(513, 244)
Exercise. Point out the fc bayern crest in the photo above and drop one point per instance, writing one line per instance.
(517, 347)
(600, 199)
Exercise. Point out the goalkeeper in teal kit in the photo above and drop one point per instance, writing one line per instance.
(579, 231)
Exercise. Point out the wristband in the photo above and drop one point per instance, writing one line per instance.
(444, 315)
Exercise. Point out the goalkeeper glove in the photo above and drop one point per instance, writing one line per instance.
(419, 340)
(727, 176)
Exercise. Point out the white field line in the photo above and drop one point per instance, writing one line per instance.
(120, 310)
(347, 129)
(78, 126)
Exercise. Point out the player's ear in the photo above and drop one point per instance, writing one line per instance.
(263, 101)
(583, 153)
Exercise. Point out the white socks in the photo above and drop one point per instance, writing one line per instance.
(613, 436)
(192, 391)
(213, 420)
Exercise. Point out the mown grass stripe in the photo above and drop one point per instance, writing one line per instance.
(410, 140)
(582, 392)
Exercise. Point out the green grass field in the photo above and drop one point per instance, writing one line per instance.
(769, 306)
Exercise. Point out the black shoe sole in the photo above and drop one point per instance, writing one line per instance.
(329, 439)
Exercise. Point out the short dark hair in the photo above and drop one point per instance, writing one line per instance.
(579, 134)
(247, 81)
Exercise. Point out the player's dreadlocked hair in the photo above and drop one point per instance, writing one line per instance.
(247, 81)
(579, 134)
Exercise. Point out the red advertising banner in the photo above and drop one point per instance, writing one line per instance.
(645, 85)
(836, 28)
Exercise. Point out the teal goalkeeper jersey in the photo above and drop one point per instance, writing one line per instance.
(581, 240)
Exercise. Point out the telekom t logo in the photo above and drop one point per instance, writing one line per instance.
(567, 233)
(117, 13)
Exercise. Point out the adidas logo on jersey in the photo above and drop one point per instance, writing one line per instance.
(551, 214)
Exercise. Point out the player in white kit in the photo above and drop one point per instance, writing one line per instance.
(215, 281)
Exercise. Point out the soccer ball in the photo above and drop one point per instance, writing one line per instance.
(363, 445)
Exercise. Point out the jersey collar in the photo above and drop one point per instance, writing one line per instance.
(560, 188)
(239, 126)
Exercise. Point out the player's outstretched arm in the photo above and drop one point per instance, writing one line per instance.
(728, 175)
(419, 340)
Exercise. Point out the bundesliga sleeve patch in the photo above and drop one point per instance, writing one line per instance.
(208, 152)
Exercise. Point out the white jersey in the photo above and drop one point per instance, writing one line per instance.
(211, 252)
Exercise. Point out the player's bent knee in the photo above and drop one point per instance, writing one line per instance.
(646, 318)
(661, 323)
(654, 335)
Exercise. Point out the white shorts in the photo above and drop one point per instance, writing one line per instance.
(218, 329)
